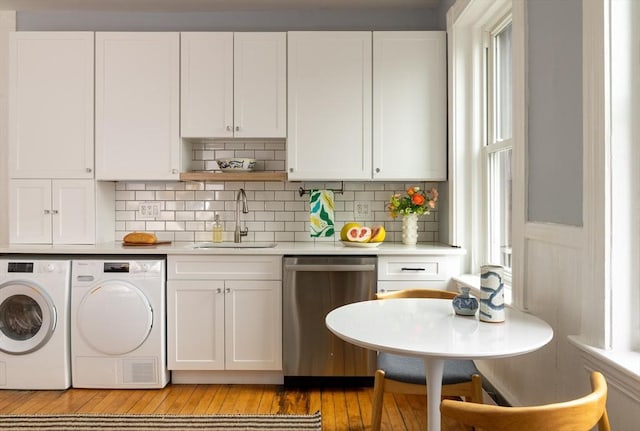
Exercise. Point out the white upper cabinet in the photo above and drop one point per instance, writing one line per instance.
(137, 106)
(329, 105)
(51, 105)
(60, 211)
(409, 105)
(233, 85)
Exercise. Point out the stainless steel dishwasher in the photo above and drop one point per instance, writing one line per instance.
(312, 287)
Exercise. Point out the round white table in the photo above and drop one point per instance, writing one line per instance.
(429, 328)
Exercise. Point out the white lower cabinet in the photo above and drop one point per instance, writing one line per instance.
(416, 272)
(60, 211)
(224, 312)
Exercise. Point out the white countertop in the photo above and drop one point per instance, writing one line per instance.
(283, 248)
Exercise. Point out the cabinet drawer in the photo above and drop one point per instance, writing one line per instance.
(410, 268)
(227, 267)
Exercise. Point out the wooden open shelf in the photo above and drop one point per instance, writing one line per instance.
(233, 176)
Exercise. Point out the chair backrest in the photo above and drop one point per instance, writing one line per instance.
(581, 414)
(417, 293)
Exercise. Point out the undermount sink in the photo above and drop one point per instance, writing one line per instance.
(234, 245)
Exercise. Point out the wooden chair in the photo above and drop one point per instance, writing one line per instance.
(406, 375)
(577, 415)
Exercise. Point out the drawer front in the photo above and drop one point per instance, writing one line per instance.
(392, 286)
(227, 267)
(416, 268)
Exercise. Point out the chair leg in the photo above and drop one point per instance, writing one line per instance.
(476, 382)
(378, 397)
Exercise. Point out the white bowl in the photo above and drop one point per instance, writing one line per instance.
(236, 165)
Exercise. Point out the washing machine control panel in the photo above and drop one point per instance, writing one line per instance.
(29, 267)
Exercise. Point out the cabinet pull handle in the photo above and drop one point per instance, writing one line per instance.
(54, 212)
(377, 170)
(412, 269)
(237, 128)
(174, 171)
(229, 128)
(227, 290)
(47, 212)
(89, 170)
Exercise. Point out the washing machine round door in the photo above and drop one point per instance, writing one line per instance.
(114, 317)
(27, 317)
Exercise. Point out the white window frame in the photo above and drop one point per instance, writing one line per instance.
(467, 24)
(492, 145)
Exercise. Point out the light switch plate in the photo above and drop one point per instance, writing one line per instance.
(148, 210)
(362, 210)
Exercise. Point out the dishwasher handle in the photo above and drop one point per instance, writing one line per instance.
(329, 268)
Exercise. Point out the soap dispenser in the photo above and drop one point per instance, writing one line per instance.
(217, 229)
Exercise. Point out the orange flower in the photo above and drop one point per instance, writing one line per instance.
(417, 199)
(410, 191)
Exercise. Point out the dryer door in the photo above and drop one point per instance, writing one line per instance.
(114, 317)
(27, 317)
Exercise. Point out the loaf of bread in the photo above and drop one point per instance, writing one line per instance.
(140, 238)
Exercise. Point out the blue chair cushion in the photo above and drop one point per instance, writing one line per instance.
(409, 369)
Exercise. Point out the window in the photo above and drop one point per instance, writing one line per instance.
(498, 146)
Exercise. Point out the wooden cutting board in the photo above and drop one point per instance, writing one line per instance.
(135, 244)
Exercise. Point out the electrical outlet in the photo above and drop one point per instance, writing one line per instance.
(148, 210)
(361, 210)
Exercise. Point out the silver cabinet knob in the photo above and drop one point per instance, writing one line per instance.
(227, 290)
(47, 212)
(377, 170)
(89, 170)
(237, 128)
(54, 212)
(290, 169)
(174, 171)
(229, 128)
(218, 290)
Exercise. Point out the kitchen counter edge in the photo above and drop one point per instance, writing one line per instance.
(283, 248)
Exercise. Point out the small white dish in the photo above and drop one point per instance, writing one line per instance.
(360, 244)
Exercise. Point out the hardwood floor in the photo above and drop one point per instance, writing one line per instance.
(342, 409)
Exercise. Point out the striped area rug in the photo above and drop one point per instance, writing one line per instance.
(160, 422)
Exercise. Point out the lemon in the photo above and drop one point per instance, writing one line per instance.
(345, 229)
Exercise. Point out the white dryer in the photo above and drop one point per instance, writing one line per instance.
(34, 323)
(118, 329)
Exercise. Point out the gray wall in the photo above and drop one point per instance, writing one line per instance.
(555, 111)
(387, 19)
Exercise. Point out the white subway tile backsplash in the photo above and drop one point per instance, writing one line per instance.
(276, 210)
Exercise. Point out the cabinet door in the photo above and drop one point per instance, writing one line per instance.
(30, 211)
(253, 325)
(137, 106)
(260, 61)
(73, 208)
(329, 105)
(206, 84)
(195, 324)
(51, 105)
(409, 105)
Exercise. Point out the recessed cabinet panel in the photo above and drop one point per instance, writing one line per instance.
(30, 206)
(260, 85)
(137, 106)
(329, 105)
(409, 105)
(206, 60)
(195, 325)
(51, 105)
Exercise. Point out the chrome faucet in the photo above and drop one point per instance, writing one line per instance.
(239, 233)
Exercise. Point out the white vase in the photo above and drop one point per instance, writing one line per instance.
(410, 229)
(491, 294)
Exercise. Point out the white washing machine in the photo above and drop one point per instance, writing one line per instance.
(34, 323)
(118, 329)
